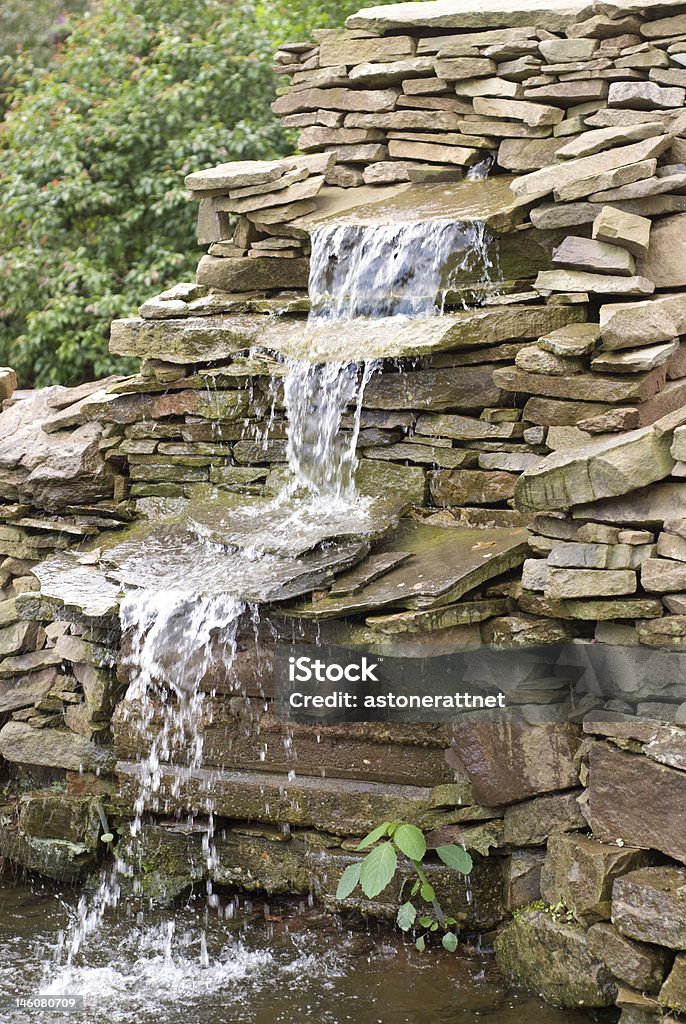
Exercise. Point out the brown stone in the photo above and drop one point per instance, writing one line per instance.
(451, 487)
(620, 788)
(664, 262)
(532, 114)
(365, 100)
(625, 229)
(532, 822)
(540, 183)
(507, 762)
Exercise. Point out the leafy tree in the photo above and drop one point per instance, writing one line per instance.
(93, 153)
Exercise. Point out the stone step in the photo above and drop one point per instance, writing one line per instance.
(397, 754)
(342, 806)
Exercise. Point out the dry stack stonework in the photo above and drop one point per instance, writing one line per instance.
(528, 467)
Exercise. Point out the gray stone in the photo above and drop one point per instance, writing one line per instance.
(566, 583)
(532, 822)
(522, 872)
(579, 872)
(8, 382)
(635, 963)
(446, 561)
(601, 469)
(650, 905)
(246, 275)
(54, 748)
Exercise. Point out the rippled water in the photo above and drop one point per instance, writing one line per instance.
(294, 966)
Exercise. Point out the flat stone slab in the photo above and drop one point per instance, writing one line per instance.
(203, 339)
(395, 337)
(446, 564)
(77, 587)
(170, 557)
(553, 15)
(489, 202)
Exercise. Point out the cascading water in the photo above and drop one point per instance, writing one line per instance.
(401, 269)
(174, 638)
(387, 270)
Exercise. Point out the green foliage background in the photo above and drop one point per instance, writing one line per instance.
(93, 151)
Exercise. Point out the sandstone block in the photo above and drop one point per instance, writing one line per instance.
(664, 262)
(8, 382)
(341, 47)
(594, 256)
(522, 876)
(582, 281)
(645, 96)
(540, 183)
(625, 229)
(637, 324)
(635, 360)
(364, 100)
(590, 142)
(532, 114)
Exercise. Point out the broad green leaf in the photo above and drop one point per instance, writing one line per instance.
(410, 841)
(407, 914)
(434, 927)
(449, 941)
(373, 837)
(456, 857)
(426, 922)
(420, 944)
(378, 868)
(428, 892)
(349, 880)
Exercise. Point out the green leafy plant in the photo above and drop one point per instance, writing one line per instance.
(377, 870)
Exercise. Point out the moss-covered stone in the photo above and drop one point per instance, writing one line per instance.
(552, 957)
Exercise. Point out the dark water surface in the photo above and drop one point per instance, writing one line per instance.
(256, 964)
